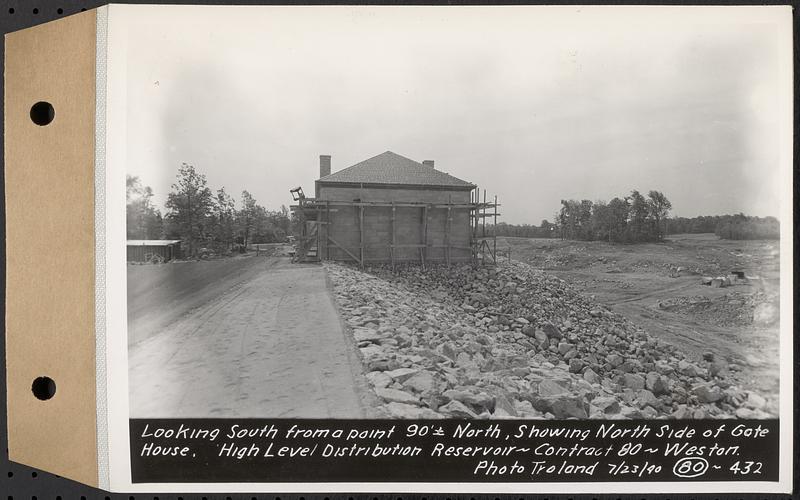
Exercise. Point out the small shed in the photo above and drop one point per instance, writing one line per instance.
(153, 250)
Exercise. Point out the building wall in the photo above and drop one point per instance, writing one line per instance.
(344, 221)
(388, 194)
(139, 253)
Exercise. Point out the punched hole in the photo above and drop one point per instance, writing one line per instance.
(42, 113)
(43, 388)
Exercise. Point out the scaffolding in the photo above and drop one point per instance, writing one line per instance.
(314, 237)
(483, 245)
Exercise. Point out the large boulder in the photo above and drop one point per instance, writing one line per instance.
(656, 383)
(565, 347)
(745, 413)
(615, 360)
(457, 409)
(591, 376)
(382, 364)
(606, 404)
(633, 381)
(379, 379)
(575, 365)
(550, 330)
(707, 393)
(367, 335)
(540, 336)
(755, 401)
(371, 351)
(464, 360)
(562, 406)
(397, 396)
(552, 387)
(402, 410)
(402, 374)
(449, 350)
(421, 382)
(647, 398)
(688, 369)
(504, 407)
(480, 401)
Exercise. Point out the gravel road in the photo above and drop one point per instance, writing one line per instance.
(271, 345)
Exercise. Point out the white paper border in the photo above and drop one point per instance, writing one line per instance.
(116, 348)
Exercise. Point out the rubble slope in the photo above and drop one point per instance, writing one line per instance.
(515, 342)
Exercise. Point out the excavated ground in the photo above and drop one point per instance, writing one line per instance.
(514, 341)
(659, 287)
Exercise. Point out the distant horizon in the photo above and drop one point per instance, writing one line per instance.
(237, 196)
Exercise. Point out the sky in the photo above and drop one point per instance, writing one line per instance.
(533, 104)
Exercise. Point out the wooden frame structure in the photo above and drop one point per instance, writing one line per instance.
(316, 239)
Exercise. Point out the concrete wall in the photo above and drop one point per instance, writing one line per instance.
(343, 225)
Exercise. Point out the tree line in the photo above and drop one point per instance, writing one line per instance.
(202, 218)
(729, 227)
(633, 218)
(544, 230)
(636, 218)
(629, 219)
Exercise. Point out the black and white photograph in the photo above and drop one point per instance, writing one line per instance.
(467, 213)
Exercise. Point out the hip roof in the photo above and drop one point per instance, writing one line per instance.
(392, 168)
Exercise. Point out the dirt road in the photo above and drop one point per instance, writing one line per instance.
(268, 343)
(160, 294)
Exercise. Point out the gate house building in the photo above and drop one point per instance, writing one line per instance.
(389, 208)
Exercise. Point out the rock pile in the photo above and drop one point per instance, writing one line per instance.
(731, 309)
(505, 342)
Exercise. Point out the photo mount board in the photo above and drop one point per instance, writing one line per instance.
(50, 285)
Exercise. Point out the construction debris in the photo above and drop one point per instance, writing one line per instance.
(510, 341)
(734, 278)
(732, 309)
(683, 271)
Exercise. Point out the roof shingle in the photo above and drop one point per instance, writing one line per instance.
(391, 168)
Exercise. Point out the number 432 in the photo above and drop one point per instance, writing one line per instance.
(746, 468)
